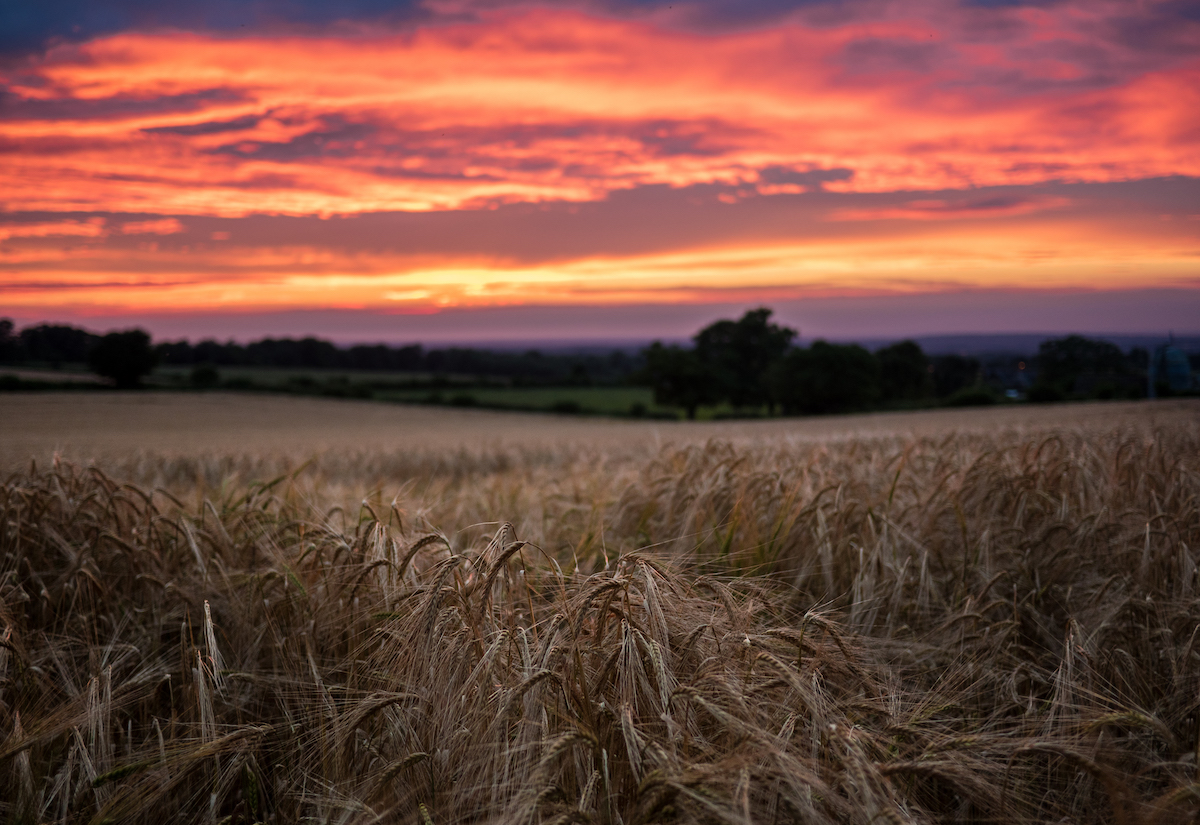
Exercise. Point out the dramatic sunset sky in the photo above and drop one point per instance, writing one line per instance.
(480, 171)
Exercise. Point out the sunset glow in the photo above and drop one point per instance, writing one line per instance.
(537, 155)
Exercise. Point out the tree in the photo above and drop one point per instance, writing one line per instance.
(737, 355)
(1061, 361)
(904, 373)
(952, 373)
(678, 378)
(826, 378)
(56, 344)
(10, 345)
(125, 357)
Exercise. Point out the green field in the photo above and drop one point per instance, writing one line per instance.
(282, 376)
(416, 388)
(425, 388)
(601, 400)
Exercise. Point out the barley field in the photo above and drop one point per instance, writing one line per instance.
(254, 609)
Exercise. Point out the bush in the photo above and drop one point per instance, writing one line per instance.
(952, 373)
(566, 407)
(347, 390)
(204, 377)
(971, 397)
(1042, 393)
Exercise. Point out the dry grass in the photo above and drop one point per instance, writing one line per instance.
(976, 627)
(112, 426)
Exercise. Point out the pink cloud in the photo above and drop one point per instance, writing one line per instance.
(90, 228)
(539, 105)
(914, 114)
(944, 210)
(162, 226)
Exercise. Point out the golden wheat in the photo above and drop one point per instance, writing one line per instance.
(977, 627)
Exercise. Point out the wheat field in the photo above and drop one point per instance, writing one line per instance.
(345, 612)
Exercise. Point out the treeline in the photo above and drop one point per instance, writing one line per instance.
(314, 353)
(749, 366)
(51, 344)
(752, 364)
(55, 345)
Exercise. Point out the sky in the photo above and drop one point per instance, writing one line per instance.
(451, 170)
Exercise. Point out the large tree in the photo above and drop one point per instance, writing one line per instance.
(904, 373)
(679, 378)
(826, 378)
(124, 357)
(738, 355)
(10, 345)
(1061, 361)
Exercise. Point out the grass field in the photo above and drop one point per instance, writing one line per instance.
(600, 400)
(405, 387)
(282, 376)
(242, 609)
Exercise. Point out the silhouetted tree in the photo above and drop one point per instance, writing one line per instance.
(174, 353)
(523, 367)
(125, 357)
(381, 357)
(56, 344)
(10, 345)
(904, 373)
(678, 378)
(952, 373)
(826, 378)
(1139, 359)
(1061, 361)
(738, 354)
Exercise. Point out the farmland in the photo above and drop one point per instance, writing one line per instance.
(598, 400)
(265, 608)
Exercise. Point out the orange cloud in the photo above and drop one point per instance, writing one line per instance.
(940, 210)
(951, 140)
(90, 228)
(543, 105)
(1059, 256)
(164, 226)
